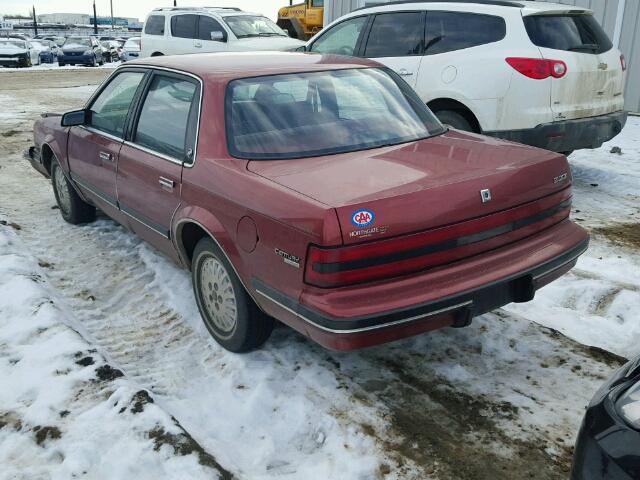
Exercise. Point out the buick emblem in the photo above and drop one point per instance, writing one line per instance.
(485, 195)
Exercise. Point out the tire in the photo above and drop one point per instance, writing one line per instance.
(229, 313)
(567, 153)
(73, 209)
(454, 120)
(60, 64)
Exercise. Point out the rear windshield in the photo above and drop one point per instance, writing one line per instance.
(322, 113)
(573, 33)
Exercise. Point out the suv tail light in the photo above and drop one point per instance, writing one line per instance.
(623, 62)
(538, 68)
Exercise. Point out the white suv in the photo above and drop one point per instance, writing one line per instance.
(539, 73)
(179, 30)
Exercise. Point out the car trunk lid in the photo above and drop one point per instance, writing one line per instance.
(593, 84)
(417, 186)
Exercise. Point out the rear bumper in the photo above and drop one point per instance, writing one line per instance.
(451, 295)
(590, 132)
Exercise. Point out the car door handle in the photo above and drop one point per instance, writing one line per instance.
(106, 156)
(404, 72)
(165, 182)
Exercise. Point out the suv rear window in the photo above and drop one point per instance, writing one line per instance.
(154, 25)
(573, 33)
(449, 31)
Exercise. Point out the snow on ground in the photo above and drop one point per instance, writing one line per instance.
(501, 399)
(64, 411)
(598, 303)
(55, 66)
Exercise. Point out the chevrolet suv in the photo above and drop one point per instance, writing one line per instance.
(538, 73)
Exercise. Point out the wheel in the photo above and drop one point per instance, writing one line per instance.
(60, 64)
(72, 208)
(454, 120)
(228, 312)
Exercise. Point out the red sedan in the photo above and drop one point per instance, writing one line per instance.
(318, 190)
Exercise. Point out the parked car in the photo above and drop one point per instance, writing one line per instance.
(111, 50)
(175, 30)
(297, 187)
(131, 49)
(15, 52)
(539, 73)
(47, 50)
(607, 445)
(80, 51)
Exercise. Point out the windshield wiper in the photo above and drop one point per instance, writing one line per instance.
(585, 46)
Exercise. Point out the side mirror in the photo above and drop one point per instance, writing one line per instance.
(217, 36)
(75, 118)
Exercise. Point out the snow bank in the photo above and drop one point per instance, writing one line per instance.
(64, 411)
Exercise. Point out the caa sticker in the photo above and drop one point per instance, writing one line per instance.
(362, 218)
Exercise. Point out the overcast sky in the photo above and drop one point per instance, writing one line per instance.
(132, 8)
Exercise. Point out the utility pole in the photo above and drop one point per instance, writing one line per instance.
(35, 21)
(95, 19)
(112, 24)
(175, 3)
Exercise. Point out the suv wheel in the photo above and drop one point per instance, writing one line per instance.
(72, 208)
(454, 120)
(228, 312)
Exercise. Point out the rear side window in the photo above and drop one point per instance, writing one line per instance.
(449, 31)
(574, 33)
(184, 26)
(165, 117)
(109, 110)
(154, 25)
(396, 35)
(342, 38)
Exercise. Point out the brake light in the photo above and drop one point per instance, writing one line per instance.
(623, 62)
(347, 265)
(538, 68)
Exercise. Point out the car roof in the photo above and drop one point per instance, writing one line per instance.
(231, 65)
(528, 7)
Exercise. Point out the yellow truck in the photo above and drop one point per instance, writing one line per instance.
(302, 20)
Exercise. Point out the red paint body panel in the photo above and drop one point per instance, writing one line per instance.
(423, 192)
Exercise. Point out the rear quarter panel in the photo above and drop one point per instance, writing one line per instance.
(47, 131)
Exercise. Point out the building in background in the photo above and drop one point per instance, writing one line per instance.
(619, 18)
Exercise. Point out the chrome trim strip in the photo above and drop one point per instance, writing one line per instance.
(130, 215)
(153, 152)
(572, 259)
(372, 327)
(100, 132)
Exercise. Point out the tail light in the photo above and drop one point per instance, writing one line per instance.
(538, 68)
(623, 62)
(340, 266)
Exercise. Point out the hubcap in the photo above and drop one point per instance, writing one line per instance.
(217, 294)
(64, 199)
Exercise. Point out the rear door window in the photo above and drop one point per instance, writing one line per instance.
(574, 33)
(167, 119)
(154, 25)
(450, 31)
(342, 38)
(184, 26)
(396, 35)
(109, 110)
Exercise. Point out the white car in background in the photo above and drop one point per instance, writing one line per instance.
(131, 49)
(538, 73)
(180, 30)
(15, 52)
